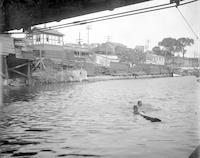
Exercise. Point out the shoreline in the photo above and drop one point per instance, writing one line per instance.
(109, 77)
(96, 79)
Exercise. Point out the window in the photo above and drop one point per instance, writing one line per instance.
(76, 53)
(47, 38)
(58, 39)
(37, 38)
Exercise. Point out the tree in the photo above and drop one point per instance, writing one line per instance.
(104, 48)
(184, 42)
(157, 50)
(170, 46)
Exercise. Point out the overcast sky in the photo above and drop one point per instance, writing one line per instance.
(138, 29)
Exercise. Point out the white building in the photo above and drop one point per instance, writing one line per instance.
(105, 60)
(45, 36)
(154, 59)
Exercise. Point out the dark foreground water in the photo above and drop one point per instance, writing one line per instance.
(96, 120)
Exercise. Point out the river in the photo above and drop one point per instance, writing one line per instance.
(96, 120)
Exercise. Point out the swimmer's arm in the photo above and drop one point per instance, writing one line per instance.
(141, 112)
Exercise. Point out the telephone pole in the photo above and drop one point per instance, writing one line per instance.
(88, 33)
(79, 39)
(107, 40)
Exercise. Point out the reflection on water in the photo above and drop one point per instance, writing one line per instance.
(96, 120)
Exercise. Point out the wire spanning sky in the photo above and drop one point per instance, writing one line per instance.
(137, 29)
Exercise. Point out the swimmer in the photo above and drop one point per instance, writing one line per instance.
(139, 103)
(135, 109)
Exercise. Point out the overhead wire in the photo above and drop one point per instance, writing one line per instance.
(188, 24)
(106, 16)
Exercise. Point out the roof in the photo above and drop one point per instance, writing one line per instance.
(47, 31)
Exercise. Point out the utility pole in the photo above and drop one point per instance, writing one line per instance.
(88, 33)
(147, 44)
(79, 38)
(107, 40)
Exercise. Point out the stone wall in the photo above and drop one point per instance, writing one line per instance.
(53, 76)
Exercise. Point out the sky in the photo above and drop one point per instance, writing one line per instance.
(138, 29)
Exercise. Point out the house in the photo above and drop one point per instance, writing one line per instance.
(105, 60)
(45, 36)
(154, 59)
(46, 43)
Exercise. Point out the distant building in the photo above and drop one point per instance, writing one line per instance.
(154, 59)
(105, 60)
(77, 50)
(139, 48)
(94, 45)
(45, 36)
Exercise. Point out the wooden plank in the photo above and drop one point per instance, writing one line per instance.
(29, 72)
(18, 66)
(19, 73)
(2, 75)
(6, 67)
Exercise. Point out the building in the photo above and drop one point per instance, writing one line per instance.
(154, 59)
(105, 60)
(77, 50)
(46, 44)
(45, 36)
(16, 62)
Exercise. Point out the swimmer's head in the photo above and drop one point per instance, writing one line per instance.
(139, 103)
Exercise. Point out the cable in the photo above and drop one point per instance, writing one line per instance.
(119, 16)
(116, 14)
(92, 21)
(188, 24)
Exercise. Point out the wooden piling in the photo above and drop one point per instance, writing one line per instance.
(29, 74)
(6, 69)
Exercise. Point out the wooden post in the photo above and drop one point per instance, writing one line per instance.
(2, 16)
(6, 69)
(29, 72)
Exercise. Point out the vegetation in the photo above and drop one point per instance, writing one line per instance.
(133, 56)
(184, 42)
(168, 47)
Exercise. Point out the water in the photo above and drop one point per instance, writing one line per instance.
(96, 119)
